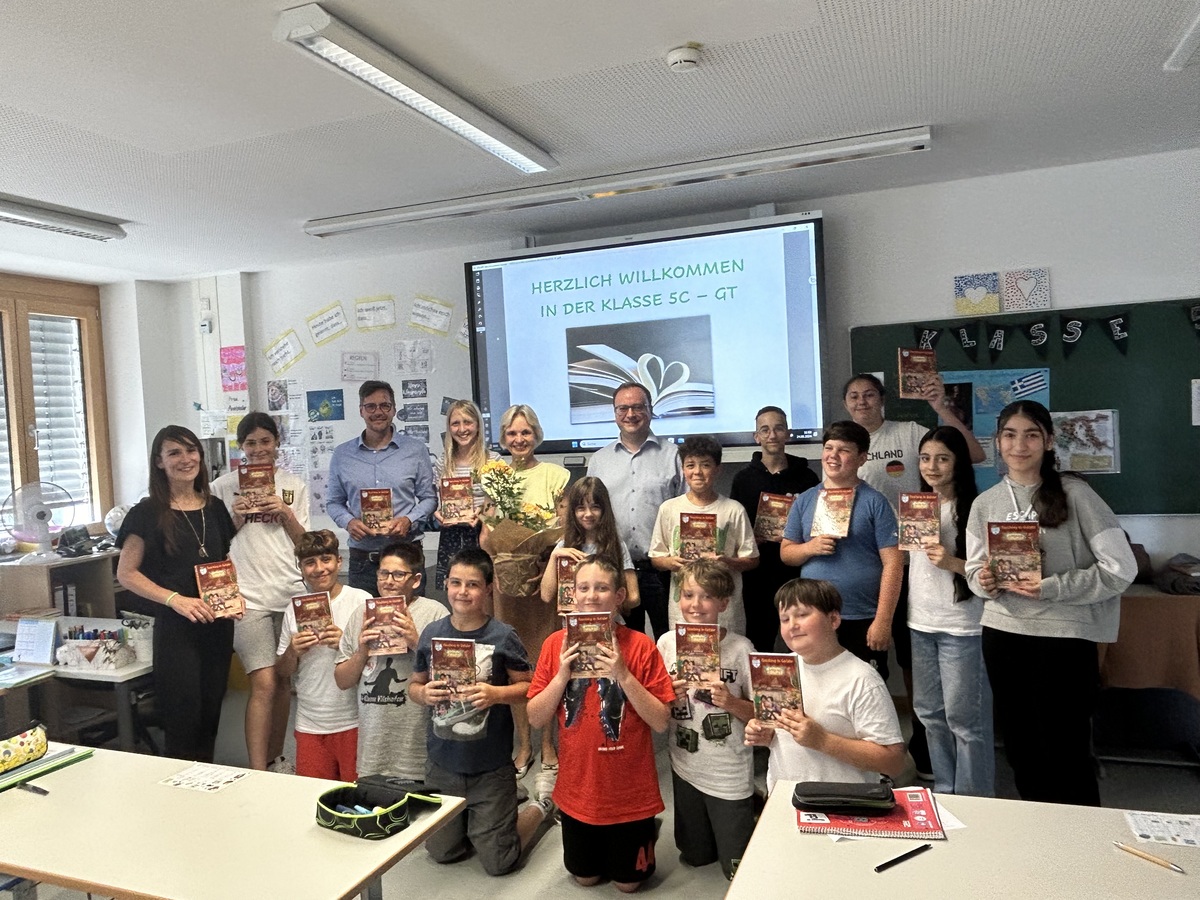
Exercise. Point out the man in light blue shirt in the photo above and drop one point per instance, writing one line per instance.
(640, 472)
(379, 458)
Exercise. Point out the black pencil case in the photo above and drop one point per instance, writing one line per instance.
(390, 800)
(844, 798)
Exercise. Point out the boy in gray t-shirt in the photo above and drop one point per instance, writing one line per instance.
(391, 728)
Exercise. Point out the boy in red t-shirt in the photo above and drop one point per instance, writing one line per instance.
(607, 790)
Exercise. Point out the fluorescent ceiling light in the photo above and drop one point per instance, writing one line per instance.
(1185, 49)
(870, 146)
(62, 222)
(336, 44)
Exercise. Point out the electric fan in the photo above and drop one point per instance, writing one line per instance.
(34, 513)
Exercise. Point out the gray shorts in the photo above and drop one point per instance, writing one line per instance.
(255, 637)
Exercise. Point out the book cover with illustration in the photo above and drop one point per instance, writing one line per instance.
(917, 369)
(564, 568)
(698, 653)
(1015, 556)
(256, 483)
(383, 612)
(697, 535)
(312, 612)
(772, 515)
(376, 506)
(920, 520)
(589, 631)
(774, 684)
(832, 513)
(218, 587)
(672, 358)
(452, 660)
(457, 501)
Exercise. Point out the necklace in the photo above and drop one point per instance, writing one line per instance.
(203, 530)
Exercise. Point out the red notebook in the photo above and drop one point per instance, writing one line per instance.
(915, 816)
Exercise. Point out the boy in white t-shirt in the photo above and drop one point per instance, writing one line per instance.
(326, 716)
(736, 548)
(712, 768)
(848, 730)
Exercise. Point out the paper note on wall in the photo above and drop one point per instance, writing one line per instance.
(327, 324)
(284, 351)
(430, 314)
(371, 313)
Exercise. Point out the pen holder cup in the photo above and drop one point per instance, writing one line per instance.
(390, 809)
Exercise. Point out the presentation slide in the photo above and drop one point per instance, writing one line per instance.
(715, 326)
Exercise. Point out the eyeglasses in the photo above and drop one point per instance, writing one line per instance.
(625, 410)
(377, 407)
(384, 575)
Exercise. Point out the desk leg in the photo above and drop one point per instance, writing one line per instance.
(374, 890)
(126, 739)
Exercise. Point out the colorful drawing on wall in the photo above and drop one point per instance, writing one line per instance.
(233, 369)
(326, 406)
(977, 295)
(1025, 289)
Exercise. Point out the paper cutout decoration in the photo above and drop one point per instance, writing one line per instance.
(1025, 289)
(977, 295)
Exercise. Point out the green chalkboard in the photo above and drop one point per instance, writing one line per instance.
(1149, 385)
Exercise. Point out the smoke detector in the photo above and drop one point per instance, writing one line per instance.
(685, 58)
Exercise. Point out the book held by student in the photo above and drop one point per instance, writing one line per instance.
(452, 660)
(218, 587)
(774, 684)
(917, 368)
(312, 612)
(772, 516)
(589, 631)
(1015, 556)
(383, 612)
(697, 535)
(564, 568)
(919, 519)
(455, 494)
(256, 482)
(376, 507)
(831, 515)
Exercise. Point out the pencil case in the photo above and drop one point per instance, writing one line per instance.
(844, 798)
(24, 747)
(389, 803)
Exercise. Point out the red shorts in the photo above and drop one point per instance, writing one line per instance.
(332, 756)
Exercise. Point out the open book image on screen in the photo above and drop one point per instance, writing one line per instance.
(672, 358)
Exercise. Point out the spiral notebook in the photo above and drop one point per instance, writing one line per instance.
(915, 816)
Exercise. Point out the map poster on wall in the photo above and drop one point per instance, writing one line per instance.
(414, 357)
(430, 314)
(284, 351)
(326, 406)
(360, 365)
(233, 369)
(373, 313)
(1087, 441)
(327, 324)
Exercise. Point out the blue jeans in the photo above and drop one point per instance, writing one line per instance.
(953, 700)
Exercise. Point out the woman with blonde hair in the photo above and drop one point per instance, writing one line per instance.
(463, 454)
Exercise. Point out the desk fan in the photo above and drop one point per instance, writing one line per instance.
(34, 513)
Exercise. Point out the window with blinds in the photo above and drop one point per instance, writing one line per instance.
(58, 401)
(6, 452)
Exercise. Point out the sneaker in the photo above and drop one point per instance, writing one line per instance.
(281, 766)
(546, 779)
(549, 810)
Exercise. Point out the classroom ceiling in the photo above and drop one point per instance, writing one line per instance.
(213, 144)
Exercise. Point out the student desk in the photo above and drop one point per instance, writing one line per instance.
(1009, 849)
(107, 826)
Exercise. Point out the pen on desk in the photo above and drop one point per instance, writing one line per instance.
(1149, 857)
(33, 789)
(902, 857)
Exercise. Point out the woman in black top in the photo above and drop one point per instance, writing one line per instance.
(162, 539)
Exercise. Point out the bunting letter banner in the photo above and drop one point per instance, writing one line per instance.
(1071, 328)
(997, 338)
(926, 337)
(1039, 336)
(1118, 330)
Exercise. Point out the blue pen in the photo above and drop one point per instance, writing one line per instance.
(344, 810)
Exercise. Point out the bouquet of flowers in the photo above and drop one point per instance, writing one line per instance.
(523, 533)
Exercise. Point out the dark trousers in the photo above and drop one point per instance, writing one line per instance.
(655, 590)
(191, 671)
(852, 634)
(1045, 693)
(363, 573)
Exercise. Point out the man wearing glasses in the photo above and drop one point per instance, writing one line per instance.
(379, 458)
(640, 472)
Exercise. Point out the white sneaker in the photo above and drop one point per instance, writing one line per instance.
(546, 779)
(281, 766)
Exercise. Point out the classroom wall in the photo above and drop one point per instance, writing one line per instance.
(1110, 232)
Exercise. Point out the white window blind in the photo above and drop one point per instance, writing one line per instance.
(6, 475)
(62, 434)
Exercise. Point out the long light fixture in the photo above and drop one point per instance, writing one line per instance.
(1185, 49)
(311, 29)
(75, 224)
(871, 146)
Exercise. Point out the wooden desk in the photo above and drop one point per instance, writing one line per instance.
(1009, 849)
(1158, 645)
(108, 827)
(122, 680)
